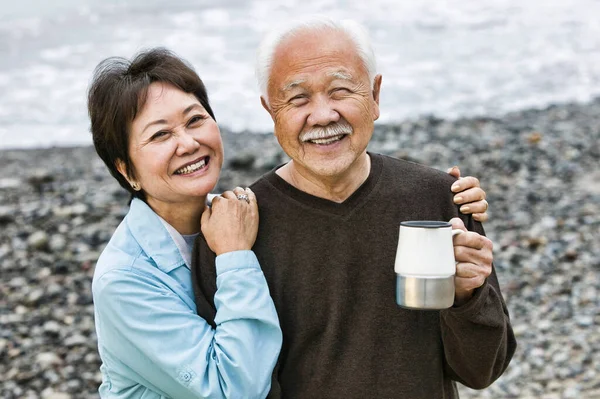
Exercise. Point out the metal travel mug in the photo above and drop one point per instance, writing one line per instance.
(425, 265)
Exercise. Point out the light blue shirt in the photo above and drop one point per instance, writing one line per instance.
(151, 341)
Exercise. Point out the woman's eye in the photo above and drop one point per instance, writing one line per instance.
(195, 119)
(159, 135)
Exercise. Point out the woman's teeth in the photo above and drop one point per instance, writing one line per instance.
(191, 168)
(328, 140)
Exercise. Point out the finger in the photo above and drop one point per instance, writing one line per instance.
(464, 183)
(468, 283)
(471, 255)
(481, 217)
(250, 194)
(468, 270)
(454, 171)
(209, 198)
(475, 207)
(469, 195)
(229, 195)
(457, 223)
(239, 191)
(471, 239)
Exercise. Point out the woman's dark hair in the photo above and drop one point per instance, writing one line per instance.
(118, 92)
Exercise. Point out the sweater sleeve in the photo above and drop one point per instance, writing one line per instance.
(157, 335)
(478, 339)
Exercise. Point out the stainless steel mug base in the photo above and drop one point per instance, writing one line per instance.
(424, 293)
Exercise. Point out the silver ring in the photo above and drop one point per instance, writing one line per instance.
(243, 197)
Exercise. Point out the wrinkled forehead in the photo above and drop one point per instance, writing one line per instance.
(324, 51)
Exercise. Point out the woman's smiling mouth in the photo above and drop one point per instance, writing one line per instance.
(193, 167)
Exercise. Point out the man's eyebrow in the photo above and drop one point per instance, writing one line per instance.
(292, 84)
(340, 75)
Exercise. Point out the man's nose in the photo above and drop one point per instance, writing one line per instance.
(186, 142)
(322, 112)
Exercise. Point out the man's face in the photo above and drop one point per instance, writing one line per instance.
(322, 103)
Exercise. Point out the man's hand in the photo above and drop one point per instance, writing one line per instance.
(473, 254)
(470, 195)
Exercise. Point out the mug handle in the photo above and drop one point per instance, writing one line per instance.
(456, 232)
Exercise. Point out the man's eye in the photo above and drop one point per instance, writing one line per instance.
(340, 90)
(299, 99)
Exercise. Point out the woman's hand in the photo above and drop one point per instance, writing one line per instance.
(231, 224)
(469, 195)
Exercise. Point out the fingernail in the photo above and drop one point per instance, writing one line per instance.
(455, 187)
(464, 209)
(458, 200)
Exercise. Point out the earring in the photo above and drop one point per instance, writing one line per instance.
(136, 186)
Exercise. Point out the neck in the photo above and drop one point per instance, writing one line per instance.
(184, 217)
(336, 188)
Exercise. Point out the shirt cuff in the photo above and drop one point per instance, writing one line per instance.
(474, 305)
(234, 260)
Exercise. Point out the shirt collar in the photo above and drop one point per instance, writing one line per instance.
(184, 249)
(154, 237)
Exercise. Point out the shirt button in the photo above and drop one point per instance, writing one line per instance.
(185, 376)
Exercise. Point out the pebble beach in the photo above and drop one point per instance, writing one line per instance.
(540, 169)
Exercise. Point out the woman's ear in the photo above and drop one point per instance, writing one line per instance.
(123, 171)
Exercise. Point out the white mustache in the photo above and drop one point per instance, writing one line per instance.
(334, 129)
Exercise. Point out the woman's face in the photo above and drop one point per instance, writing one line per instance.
(175, 147)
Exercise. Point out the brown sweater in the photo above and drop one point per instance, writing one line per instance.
(330, 270)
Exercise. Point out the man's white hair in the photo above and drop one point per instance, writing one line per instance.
(356, 32)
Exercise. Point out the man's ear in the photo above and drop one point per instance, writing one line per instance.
(266, 107)
(376, 89)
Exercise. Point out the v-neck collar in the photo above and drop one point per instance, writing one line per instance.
(343, 209)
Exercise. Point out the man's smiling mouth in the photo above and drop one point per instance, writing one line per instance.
(328, 140)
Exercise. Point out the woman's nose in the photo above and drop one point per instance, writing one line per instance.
(186, 143)
(322, 112)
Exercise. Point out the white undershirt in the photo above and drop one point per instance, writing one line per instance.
(185, 244)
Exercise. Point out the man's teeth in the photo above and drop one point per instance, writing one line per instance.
(191, 168)
(327, 140)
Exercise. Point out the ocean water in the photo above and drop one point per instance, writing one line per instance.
(449, 59)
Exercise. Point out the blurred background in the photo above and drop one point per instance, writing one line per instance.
(505, 89)
(437, 57)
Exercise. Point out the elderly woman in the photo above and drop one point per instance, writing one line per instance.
(153, 127)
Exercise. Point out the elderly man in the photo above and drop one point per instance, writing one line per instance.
(328, 233)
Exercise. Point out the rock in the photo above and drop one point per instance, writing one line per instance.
(75, 340)
(48, 359)
(57, 243)
(35, 297)
(38, 241)
(7, 215)
(39, 177)
(49, 393)
(51, 327)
